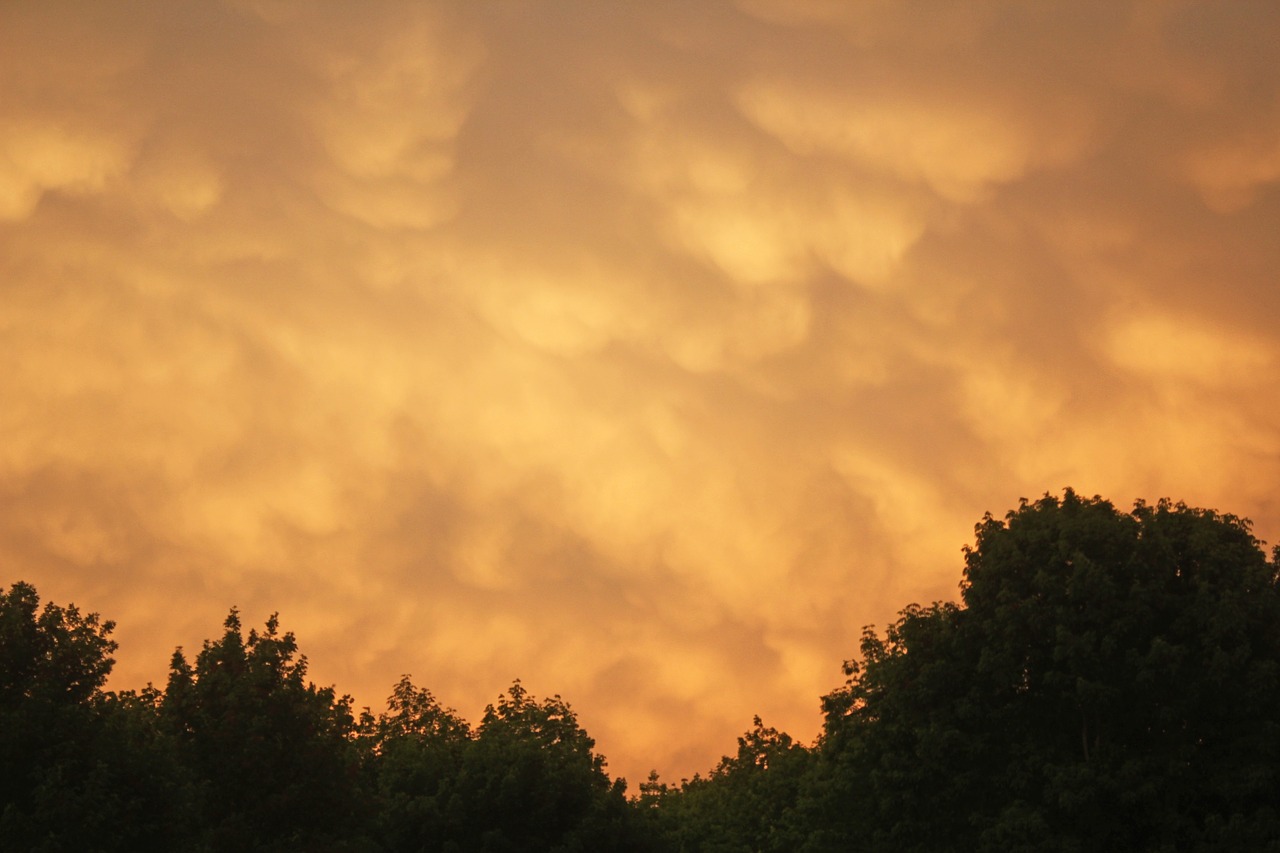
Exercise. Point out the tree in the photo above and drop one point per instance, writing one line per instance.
(531, 780)
(745, 804)
(55, 655)
(53, 662)
(82, 769)
(273, 756)
(1110, 681)
(418, 748)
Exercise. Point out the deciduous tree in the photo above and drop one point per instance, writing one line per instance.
(273, 756)
(1111, 680)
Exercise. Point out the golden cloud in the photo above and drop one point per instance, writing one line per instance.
(644, 352)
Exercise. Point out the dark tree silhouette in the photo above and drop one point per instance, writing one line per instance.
(531, 780)
(273, 757)
(417, 754)
(746, 804)
(527, 778)
(1109, 682)
(80, 768)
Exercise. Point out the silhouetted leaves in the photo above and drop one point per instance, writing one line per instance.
(747, 803)
(273, 756)
(80, 769)
(1108, 681)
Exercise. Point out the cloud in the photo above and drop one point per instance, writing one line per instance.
(1185, 350)
(642, 352)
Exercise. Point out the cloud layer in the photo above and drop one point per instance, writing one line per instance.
(642, 351)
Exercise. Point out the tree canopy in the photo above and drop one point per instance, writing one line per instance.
(264, 746)
(1106, 680)
(77, 763)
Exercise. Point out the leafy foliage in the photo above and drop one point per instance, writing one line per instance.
(82, 769)
(273, 756)
(531, 780)
(1108, 680)
(417, 749)
(747, 803)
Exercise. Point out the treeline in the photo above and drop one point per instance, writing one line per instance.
(1109, 681)
(239, 752)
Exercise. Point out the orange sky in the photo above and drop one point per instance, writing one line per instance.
(643, 351)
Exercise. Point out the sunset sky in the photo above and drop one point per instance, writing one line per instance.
(644, 351)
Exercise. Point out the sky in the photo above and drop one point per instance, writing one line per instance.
(643, 351)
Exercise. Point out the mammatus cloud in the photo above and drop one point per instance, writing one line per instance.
(644, 352)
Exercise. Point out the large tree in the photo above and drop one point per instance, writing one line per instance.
(526, 778)
(745, 805)
(80, 768)
(273, 757)
(53, 661)
(1111, 680)
(417, 747)
(531, 780)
